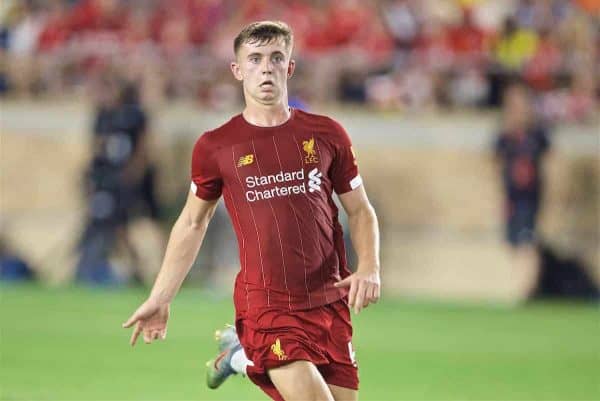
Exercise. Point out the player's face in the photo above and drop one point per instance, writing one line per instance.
(264, 70)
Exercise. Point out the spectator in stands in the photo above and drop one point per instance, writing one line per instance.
(98, 16)
(515, 46)
(26, 22)
(545, 65)
(53, 57)
(467, 41)
(403, 21)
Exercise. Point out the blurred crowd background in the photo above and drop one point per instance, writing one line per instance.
(476, 124)
(390, 54)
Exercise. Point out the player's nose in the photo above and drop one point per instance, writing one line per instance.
(267, 67)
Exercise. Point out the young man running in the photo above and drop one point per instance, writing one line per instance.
(276, 168)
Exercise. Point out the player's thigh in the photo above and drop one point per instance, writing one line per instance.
(300, 381)
(343, 393)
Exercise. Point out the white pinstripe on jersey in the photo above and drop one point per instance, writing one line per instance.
(262, 269)
(314, 220)
(278, 233)
(298, 225)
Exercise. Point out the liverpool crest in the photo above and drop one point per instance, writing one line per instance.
(311, 153)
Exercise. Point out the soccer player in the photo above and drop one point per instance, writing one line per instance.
(276, 168)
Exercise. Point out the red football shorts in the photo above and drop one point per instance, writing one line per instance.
(322, 335)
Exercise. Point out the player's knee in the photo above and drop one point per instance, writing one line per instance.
(300, 380)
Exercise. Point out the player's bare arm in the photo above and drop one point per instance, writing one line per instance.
(184, 242)
(365, 282)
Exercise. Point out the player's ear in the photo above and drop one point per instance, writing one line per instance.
(291, 68)
(235, 69)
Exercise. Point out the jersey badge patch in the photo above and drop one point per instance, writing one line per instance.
(311, 153)
(276, 349)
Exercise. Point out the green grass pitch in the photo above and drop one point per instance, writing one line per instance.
(67, 344)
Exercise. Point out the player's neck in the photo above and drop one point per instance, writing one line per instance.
(267, 116)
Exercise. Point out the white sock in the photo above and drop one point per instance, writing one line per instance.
(239, 362)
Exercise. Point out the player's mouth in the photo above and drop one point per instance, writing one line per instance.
(267, 84)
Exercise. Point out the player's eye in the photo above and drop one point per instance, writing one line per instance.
(254, 59)
(278, 59)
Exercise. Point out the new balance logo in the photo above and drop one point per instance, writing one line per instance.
(245, 160)
(314, 180)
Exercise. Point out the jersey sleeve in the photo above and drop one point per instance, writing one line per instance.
(207, 182)
(344, 170)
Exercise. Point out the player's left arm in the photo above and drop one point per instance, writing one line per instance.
(365, 283)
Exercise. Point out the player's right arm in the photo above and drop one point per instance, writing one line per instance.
(184, 242)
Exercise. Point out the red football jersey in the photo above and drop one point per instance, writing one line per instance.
(277, 183)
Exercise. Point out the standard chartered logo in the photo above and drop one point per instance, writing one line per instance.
(314, 180)
(294, 184)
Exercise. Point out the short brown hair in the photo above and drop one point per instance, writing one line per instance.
(264, 32)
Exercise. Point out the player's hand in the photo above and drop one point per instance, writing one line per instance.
(364, 288)
(151, 320)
